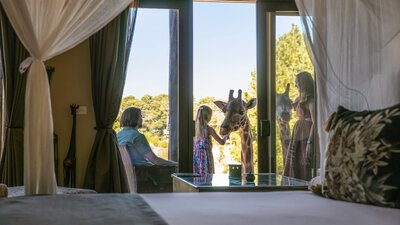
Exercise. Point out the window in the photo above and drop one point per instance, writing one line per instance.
(173, 58)
(198, 66)
(280, 56)
(224, 50)
(291, 58)
(150, 46)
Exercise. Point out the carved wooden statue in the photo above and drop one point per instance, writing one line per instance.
(70, 161)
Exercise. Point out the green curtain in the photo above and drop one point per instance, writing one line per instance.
(13, 53)
(109, 49)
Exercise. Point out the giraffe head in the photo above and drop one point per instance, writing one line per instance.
(284, 106)
(235, 111)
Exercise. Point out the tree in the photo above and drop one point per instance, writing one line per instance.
(291, 58)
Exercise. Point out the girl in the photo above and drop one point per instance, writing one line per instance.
(203, 161)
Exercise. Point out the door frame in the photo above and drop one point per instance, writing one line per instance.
(266, 11)
(185, 77)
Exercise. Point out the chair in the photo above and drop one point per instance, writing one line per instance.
(129, 168)
(146, 178)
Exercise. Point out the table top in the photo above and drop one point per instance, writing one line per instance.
(223, 182)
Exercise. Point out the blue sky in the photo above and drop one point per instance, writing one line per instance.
(224, 48)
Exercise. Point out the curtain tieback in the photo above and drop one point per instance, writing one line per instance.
(25, 64)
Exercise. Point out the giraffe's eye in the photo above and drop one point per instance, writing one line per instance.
(241, 112)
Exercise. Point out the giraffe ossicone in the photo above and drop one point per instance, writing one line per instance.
(235, 111)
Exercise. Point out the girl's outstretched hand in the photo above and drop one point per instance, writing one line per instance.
(225, 137)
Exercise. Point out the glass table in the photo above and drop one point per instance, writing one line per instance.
(186, 182)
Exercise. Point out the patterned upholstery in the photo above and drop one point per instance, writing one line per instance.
(20, 191)
(362, 158)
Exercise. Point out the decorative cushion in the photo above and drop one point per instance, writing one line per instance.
(315, 185)
(362, 161)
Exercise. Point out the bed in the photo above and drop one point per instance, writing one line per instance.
(286, 207)
(82, 209)
(248, 208)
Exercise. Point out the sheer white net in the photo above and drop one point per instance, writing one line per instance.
(48, 28)
(355, 46)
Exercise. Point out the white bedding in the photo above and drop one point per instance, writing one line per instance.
(277, 208)
(220, 208)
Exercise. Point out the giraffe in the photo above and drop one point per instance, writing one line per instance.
(235, 111)
(283, 115)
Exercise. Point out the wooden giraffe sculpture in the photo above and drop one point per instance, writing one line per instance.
(283, 115)
(70, 161)
(235, 111)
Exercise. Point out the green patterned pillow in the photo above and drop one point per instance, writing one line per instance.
(362, 161)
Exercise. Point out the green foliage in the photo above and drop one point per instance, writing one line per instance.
(154, 112)
(291, 58)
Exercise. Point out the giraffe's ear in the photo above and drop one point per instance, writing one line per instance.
(221, 105)
(250, 104)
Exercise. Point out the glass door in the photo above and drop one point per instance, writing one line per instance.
(286, 110)
(150, 46)
(160, 77)
(293, 80)
(225, 59)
